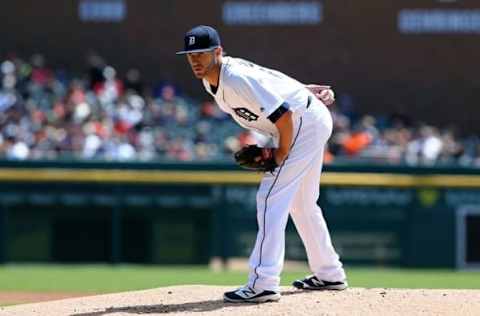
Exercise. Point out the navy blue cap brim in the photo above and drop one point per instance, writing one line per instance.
(196, 50)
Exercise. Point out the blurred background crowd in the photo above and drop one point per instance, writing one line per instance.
(49, 113)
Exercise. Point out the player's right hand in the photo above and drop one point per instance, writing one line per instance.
(322, 92)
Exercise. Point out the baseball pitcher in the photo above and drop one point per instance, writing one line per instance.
(299, 124)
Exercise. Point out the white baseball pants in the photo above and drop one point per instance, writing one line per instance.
(294, 188)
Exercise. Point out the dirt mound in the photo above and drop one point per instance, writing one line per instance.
(207, 300)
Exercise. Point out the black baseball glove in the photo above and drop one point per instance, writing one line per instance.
(255, 158)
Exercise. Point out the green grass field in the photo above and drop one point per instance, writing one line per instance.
(106, 278)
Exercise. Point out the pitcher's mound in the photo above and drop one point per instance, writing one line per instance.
(207, 300)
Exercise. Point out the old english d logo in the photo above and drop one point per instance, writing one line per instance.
(191, 40)
(246, 114)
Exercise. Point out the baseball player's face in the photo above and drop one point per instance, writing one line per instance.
(201, 63)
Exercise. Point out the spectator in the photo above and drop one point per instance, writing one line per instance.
(133, 81)
(46, 115)
(362, 136)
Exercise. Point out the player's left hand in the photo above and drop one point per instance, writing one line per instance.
(322, 92)
(256, 158)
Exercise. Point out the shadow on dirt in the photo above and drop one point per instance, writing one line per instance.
(200, 306)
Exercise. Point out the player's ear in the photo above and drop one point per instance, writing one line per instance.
(219, 51)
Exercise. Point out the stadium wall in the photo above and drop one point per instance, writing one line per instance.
(191, 213)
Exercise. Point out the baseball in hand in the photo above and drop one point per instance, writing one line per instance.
(322, 92)
(327, 96)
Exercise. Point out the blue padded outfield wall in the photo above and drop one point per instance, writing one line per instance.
(190, 213)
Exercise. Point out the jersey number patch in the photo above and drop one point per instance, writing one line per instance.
(246, 114)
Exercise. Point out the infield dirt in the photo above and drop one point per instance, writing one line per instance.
(207, 300)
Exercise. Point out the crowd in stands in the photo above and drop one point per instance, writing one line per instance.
(46, 113)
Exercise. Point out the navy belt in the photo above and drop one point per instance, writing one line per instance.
(309, 101)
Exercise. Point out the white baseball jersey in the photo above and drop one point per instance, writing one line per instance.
(256, 97)
(252, 94)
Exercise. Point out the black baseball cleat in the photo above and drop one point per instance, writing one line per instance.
(313, 283)
(248, 295)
